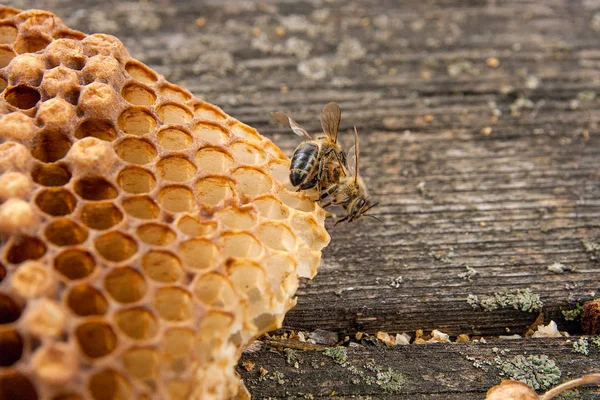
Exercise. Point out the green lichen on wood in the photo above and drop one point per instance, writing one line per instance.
(338, 354)
(372, 374)
(537, 371)
(581, 346)
(572, 315)
(523, 300)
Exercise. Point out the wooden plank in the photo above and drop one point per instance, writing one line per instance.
(479, 130)
(449, 371)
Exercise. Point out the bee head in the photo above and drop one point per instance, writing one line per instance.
(359, 207)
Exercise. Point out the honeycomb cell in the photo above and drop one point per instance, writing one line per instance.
(34, 67)
(96, 339)
(173, 304)
(198, 253)
(109, 385)
(236, 218)
(125, 285)
(101, 216)
(75, 264)
(176, 114)
(213, 161)
(280, 170)
(296, 201)
(215, 290)
(22, 96)
(2, 272)
(51, 174)
(212, 133)
(32, 279)
(136, 151)
(84, 300)
(8, 33)
(3, 84)
(50, 146)
(277, 236)
(11, 348)
(31, 43)
(95, 188)
(56, 201)
(138, 94)
(246, 153)
(44, 318)
(136, 180)
(14, 185)
(279, 266)
(177, 342)
(308, 261)
(178, 389)
(136, 121)
(192, 227)
(240, 244)
(245, 132)
(213, 327)
(174, 139)
(25, 248)
(64, 232)
(162, 266)
(137, 323)
(174, 93)
(55, 364)
(176, 169)
(141, 207)
(14, 385)
(6, 55)
(176, 199)
(208, 112)
(115, 246)
(156, 234)
(271, 208)
(273, 150)
(98, 128)
(213, 189)
(252, 181)
(141, 362)
(307, 229)
(250, 279)
(140, 72)
(10, 311)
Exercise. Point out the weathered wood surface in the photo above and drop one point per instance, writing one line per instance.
(478, 124)
(457, 371)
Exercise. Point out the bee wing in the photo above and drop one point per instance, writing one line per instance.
(290, 123)
(352, 158)
(330, 120)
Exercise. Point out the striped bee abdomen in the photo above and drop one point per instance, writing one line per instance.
(304, 163)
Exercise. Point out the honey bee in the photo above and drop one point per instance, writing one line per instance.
(318, 161)
(350, 192)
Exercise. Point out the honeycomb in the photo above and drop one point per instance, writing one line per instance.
(146, 237)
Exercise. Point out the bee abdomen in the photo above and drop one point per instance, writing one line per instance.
(303, 163)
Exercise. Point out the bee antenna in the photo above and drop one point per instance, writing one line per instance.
(371, 206)
(340, 220)
(372, 216)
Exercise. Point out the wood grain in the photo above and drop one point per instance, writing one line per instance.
(478, 123)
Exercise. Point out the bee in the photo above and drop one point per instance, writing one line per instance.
(317, 161)
(350, 192)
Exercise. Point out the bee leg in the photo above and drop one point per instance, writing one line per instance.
(327, 192)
